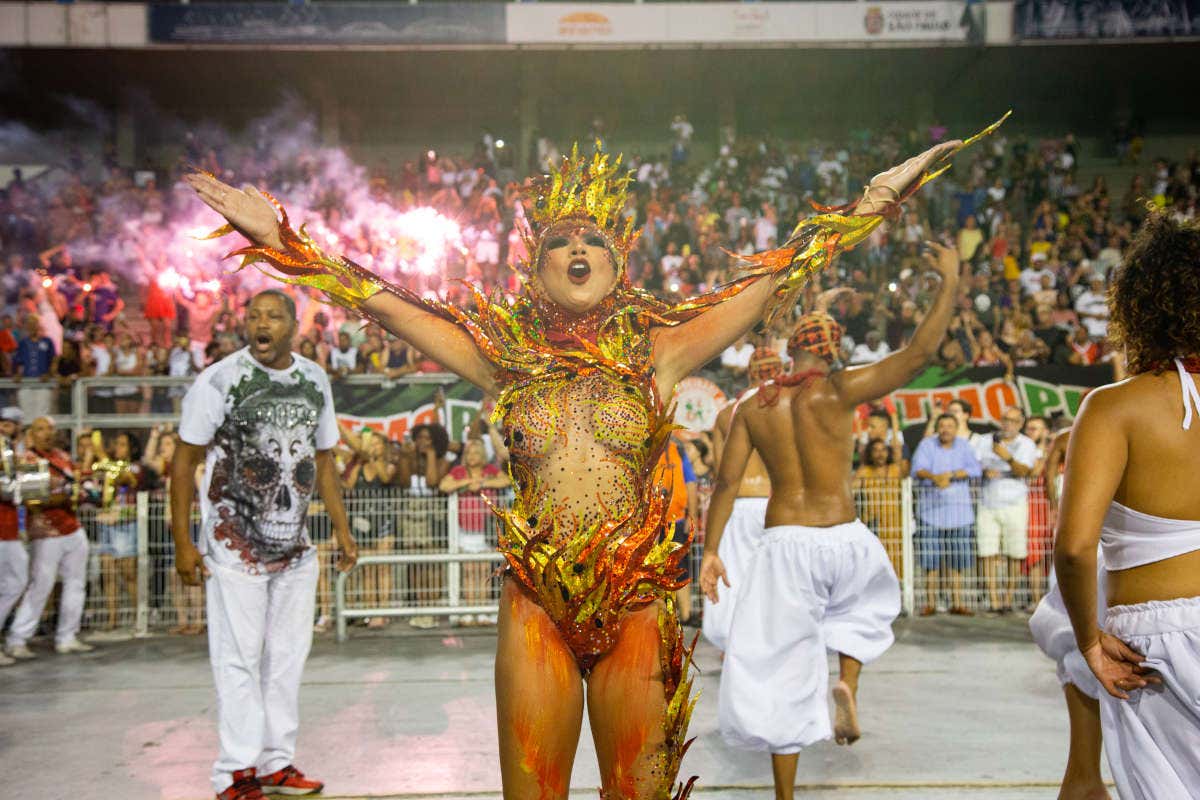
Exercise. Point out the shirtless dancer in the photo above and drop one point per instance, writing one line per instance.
(746, 520)
(820, 579)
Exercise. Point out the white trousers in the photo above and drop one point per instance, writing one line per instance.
(50, 559)
(1054, 636)
(1152, 740)
(259, 635)
(35, 399)
(807, 590)
(738, 542)
(14, 576)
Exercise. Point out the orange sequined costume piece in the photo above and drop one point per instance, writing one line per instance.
(583, 388)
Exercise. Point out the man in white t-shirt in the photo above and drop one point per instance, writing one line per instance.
(1031, 277)
(265, 417)
(1002, 523)
(872, 350)
(343, 359)
(1092, 308)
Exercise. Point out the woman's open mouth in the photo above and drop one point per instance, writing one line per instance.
(578, 271)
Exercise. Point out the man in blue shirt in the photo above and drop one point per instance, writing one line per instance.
(943, 466)
(34, 358)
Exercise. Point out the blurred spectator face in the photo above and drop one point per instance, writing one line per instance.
(969, 223)
(376, 445)
(1036, 429)
(959, 411)
(877, 453)
(9, 429)
(947, 430)
(122, 450)
(474, 454)
(33, 327)
(308, 349)
(877, 427)
(1011, 421)
(42, 433)
(166, 447)
(343, 341)
(203, 299)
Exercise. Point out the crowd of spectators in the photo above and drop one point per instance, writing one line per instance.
(1036, 246)
(1037, 249)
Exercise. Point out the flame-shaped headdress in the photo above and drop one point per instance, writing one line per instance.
(587, 190)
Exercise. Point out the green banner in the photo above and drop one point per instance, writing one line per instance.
(393, 408)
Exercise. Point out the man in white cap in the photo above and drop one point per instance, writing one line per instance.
(14, 560)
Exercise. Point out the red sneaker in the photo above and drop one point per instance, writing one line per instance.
(245, 787)
(289, 780)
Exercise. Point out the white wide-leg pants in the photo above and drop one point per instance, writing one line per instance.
(1054, 636)
(1152, 740)
(50, 559)
(14, 576)
(259, 635)
(808, 590)
(738, 541)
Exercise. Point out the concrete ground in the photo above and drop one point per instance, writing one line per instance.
(957, 708)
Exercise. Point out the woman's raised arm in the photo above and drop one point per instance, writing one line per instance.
(250, 213)
(680, 350)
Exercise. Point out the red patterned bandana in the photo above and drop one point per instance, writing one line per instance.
(765, 365)
(819, 334)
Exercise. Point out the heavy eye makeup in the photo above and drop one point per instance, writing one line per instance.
(555, 242)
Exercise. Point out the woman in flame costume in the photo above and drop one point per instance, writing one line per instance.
(583, 367)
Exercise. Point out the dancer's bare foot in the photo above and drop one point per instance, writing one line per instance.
(845, 720)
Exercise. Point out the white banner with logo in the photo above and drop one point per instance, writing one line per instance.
(734, 23)
(586, 23)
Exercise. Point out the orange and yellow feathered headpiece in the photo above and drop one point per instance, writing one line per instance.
(588, 190)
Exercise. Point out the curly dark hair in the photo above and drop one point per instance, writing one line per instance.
(1154, 299)
(439, 435)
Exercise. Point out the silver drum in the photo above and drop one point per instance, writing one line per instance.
(22, 482)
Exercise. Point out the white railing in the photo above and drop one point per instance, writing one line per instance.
(416, 561)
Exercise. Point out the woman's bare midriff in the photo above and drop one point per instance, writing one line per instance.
(1170, 579)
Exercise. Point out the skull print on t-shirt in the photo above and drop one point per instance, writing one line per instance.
(263, 428)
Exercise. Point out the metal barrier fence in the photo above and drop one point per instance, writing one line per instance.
(969, 548)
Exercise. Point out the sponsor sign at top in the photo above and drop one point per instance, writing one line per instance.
(733, 23)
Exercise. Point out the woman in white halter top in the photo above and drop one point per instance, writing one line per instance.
(1133, 486)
